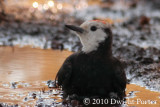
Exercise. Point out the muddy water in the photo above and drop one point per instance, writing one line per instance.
(27, 64)
(30, 68)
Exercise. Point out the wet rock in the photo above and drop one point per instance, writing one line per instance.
(51, 84)
(144, 20)
(144, 75)
(57, 45)
(16, 105)
(34, 95)
(25, 99)
(132, 94)
(147, 61)
(13, 85)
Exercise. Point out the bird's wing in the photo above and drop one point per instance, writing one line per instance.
(64, 73)
(119, 81)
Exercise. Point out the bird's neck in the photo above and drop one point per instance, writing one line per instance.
(104, 50)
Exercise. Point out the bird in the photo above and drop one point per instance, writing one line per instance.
(92, 72)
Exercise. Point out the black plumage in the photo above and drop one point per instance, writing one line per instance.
(96, 74)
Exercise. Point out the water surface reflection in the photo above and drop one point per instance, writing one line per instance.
(30, 69)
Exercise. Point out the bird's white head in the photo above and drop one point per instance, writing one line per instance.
(91, 34)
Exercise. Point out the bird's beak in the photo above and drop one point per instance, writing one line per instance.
(75, 28)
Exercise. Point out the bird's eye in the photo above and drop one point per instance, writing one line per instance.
(93, 28)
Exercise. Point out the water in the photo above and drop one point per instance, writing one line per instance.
(28, 64)
(25, 72)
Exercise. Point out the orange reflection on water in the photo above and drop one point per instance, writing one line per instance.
(33, 66)
(27, 64)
